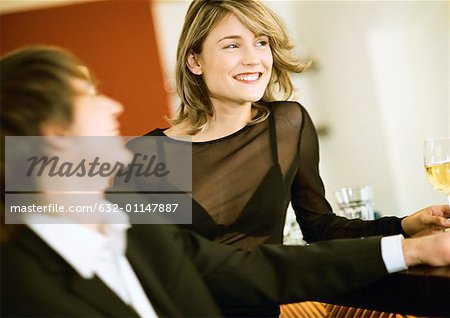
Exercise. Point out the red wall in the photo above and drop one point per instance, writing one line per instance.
(116, 39)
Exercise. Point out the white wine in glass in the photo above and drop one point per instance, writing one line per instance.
(437, 163)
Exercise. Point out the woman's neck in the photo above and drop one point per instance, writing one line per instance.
(226, 121)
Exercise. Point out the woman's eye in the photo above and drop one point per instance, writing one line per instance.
(262, 43)
(231, 46)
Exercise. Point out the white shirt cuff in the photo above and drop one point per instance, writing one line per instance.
(392, 253)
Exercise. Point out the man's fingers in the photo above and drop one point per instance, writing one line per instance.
(439, 221)
(441, 210)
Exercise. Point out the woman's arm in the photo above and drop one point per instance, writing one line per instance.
(314, 213)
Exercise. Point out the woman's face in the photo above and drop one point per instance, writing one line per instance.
(236, 64)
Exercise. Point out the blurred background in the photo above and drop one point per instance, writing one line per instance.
(379, 84)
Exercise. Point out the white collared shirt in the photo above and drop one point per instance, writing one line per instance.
(92, 253)
(392, 253)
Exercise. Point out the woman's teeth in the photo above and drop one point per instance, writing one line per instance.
(247, 77)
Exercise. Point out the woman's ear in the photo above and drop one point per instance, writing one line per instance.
(193, 64)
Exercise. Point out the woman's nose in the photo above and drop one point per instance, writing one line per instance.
(250, 56)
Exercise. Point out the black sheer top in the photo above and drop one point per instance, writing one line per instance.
(243, 183)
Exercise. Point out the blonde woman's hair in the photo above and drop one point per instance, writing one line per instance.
(201, 17)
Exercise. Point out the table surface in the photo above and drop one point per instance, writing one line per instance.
(421, 290)
(429, 271)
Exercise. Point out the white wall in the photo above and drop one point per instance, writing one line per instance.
(381, 86)
(169, 17)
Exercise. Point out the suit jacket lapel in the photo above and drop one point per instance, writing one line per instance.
(153, 286)
(93, 291)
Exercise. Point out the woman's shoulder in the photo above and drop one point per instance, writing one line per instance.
(286, 106)
(143, 141)
(156, 132)
(288, 112)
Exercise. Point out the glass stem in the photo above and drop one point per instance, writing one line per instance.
(448, 218)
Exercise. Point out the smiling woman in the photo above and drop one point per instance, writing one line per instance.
(81, 265)
(231, 56)
(375, 65)
(236, 67)
(250, 41)
(253, 153)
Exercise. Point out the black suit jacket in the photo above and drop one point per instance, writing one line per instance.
(184, 275)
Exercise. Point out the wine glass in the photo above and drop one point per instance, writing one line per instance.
(437, 163)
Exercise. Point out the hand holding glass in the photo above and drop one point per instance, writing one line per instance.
(437, 163)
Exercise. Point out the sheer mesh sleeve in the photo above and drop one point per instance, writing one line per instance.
(314, 213)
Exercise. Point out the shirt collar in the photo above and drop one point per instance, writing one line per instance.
(81, 246)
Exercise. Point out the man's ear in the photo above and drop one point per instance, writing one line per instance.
(56, 135)
(193, 64)
(50, 128)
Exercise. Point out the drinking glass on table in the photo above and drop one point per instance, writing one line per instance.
(437, 163)
(355, 202)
